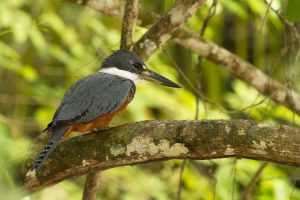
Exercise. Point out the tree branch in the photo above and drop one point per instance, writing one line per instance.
(165, 26)
(241, 69)
(91, 186)
(150, 141)
(128, 24)
(213, 52)
(249, 188)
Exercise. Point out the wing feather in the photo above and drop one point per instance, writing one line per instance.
(91, 97)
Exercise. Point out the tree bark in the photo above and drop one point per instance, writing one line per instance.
(150, 141)
(91, 186)
(165, 26)
(128, 24)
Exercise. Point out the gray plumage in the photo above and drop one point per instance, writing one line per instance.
(88, 99)
(91, 97)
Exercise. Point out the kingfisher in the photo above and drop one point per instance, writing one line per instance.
(94, 100)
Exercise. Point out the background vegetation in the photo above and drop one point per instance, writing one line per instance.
(45, 46)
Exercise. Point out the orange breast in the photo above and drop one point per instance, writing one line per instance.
(101, 121)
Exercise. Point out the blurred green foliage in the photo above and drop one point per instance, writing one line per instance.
(292, 10)
(45, 46)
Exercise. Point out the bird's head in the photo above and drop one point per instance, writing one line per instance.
(128, 65)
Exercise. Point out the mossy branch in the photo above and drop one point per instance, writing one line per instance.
(150, 141)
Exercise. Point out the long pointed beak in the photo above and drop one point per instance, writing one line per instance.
(156, 78)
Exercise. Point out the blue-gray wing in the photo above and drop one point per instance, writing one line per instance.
(92, 97)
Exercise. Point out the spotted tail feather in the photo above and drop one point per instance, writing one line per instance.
(57, 136)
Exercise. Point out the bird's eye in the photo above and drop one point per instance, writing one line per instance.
(138, 66)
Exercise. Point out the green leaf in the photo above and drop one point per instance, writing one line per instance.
(292, 11)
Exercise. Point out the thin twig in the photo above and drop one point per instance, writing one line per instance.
(187, 80)
(211, 13)
(249, 188)
(233, 172)
(266, 16)
(295, 33)
(129, 22)
(285, 21)
(91, 186)
(182, 167)
(199, 92)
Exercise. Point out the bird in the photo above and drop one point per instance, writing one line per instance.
(94, 100)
